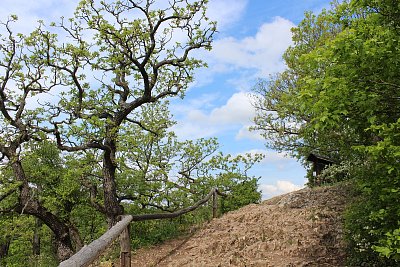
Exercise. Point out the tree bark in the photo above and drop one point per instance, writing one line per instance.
(112, 207)
(29, 204)
(4, 247)
(36, 238)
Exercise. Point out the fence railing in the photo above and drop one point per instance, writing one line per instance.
(89, 253)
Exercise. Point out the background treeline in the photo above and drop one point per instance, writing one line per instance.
(340, 98)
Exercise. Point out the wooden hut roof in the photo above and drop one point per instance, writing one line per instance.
(315, 157)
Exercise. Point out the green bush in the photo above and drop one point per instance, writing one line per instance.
(373, 223)
(147, 233)
(360, 236)
(242, 194)
(337, 172)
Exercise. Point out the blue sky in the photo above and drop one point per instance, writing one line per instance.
(252, 36)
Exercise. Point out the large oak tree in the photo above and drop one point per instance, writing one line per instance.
(85, 122)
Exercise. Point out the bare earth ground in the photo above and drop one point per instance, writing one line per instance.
(302, 228)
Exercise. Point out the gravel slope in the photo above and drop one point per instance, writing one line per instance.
(302, 228)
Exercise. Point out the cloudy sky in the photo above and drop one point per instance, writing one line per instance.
(252, 36)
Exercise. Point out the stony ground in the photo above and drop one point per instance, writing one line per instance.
(302, 228)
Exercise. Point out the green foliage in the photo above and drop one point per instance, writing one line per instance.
(19, 230)
(105, 148)
(173, 174)
(337, 172)
(379, 182)
(153, 232)
(340, 97)
(241, 194)
(50, 184)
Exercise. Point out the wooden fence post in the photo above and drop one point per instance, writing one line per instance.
(215, 204)
(125, 243)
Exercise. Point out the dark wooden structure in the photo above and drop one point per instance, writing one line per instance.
(319, 163)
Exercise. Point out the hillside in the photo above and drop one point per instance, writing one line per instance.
(302, 228)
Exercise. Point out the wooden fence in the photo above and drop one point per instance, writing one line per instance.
(91, 252)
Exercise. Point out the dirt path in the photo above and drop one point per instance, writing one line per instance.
(303, 228)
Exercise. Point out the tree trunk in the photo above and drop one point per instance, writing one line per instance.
(36, 238)
(4, 247)
(29, 204)
(112, 207)
(76, 238)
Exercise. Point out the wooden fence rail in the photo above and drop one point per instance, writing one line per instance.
(86, 255)
(91, 252)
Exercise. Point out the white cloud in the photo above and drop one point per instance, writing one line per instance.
(225, 12)
(279, 188)
(262, 51)
(29, 12)
(280, 160)
(271, 156)
(237, 111)
(250, 57)
(245, 133)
